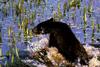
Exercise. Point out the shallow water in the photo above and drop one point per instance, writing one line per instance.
(50, 8)
(76, 26)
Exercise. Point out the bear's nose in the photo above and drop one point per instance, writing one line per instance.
(34, 30)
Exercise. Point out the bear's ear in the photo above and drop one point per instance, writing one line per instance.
(51, 19)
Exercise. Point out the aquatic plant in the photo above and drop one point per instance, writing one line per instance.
(0, 34)
(0, 42)
(64, 9)
(28, 12)
(12, 44)
(93, 31)
(90, 8)
(85, 22)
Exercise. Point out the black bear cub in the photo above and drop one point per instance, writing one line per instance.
(62, 37)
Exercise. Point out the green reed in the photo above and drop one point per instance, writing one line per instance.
(0, 43)
(93, 31)
(32, 16)
(90, 8)
(38, 3)
(12, 44)
(58, 14)
(74, 3)
(24, 26)
(30, 34)
(98, 27)
(90, 11)
(59, 11)
(4, 10)
(0, 53)
(85, 22)
(0, 33)
(26, 16)
(64, 9)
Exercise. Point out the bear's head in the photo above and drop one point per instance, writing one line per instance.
(43, 27)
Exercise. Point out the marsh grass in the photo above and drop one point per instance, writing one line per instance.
(27, 12)
(93, 31)
(0, 33)
(0, 42)
(12, 45)
(85, 22)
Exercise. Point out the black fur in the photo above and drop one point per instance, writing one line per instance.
(63, 39)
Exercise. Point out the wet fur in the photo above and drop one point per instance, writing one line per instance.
(63, 39)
